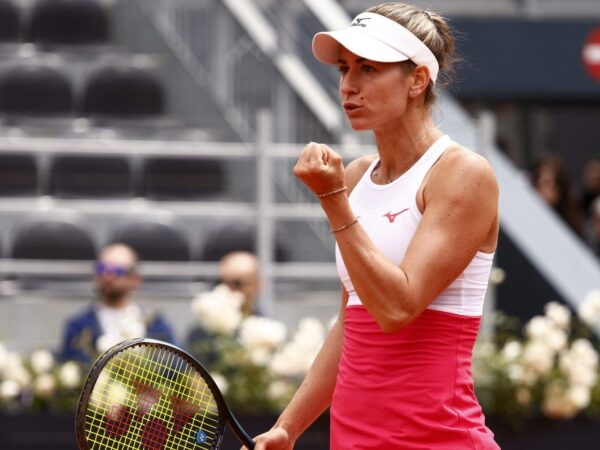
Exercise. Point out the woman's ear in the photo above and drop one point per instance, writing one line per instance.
(421, 81)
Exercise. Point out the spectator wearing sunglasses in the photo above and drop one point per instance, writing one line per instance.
(239, 271)
(116, 315)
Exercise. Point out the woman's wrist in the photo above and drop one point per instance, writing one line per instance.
(285, 429)
(332, 192)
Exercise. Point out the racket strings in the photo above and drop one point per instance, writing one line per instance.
(153, 399)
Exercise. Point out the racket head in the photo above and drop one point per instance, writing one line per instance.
(151, 395)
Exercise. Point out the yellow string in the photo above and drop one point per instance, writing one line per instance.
(156, 369)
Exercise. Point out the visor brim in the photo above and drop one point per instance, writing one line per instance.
(326, 47)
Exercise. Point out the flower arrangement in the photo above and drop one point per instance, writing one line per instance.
(256, 362)
(546, 368)
(38, 382)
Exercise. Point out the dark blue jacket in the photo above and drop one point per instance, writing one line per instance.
(83, 330)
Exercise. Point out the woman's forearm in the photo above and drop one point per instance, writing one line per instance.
(314, 395)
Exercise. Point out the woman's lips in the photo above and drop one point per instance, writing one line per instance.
(350, 106)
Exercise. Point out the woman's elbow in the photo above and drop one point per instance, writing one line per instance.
(392, 323)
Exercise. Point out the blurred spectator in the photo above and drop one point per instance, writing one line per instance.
(590, 189)
(239, 271)
(551, 179)
(116, 315)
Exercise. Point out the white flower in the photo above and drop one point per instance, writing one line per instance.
(579, 395)
(97, 397)
(589, 309)
(558, 314)
(580, 363)
(219, 311)
(557, 339)
(557, 404)
(583, 350)
(42, 361)
(221, 382)
(69, 375)
(516, 373)
(44, 385)
(280, 390)
(543, 329)
(511, 351)
(9, 389)
(16, 371)
(116, 395)
(538, 357)
(262, 332)
(310, 333)
(296, 356)
(538, 327)
(259, 356)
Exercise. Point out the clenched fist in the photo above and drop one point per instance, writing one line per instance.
(320, 168)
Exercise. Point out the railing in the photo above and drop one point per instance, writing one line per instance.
(264, 210)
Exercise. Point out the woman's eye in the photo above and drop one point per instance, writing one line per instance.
(342, 69)
(368, 69)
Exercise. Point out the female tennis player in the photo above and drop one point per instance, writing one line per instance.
(416, 228)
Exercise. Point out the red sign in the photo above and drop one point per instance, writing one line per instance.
(590, 54)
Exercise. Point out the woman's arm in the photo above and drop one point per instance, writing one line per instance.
(459, 202)
(314, 394)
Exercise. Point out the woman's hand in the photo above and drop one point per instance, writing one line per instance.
(277, 438)
(320, 168)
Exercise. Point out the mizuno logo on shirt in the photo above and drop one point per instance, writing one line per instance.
(392, 215)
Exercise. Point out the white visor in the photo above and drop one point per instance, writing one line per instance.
(375, 37)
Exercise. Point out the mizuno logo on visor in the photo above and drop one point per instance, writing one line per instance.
(358, 22)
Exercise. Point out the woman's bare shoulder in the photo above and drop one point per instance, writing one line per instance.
(463, 163)
(356, 169)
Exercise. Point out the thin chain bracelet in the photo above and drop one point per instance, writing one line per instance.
(346, 226)
(335, 191)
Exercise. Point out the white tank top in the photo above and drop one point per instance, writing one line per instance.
(390, 216)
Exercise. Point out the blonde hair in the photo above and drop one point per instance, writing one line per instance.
(432, 29)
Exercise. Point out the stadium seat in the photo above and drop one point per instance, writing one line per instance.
(10, 22)
(153, 238)
(89, 176)
(18, 175)
(53, 236)
(122, 90)
(68, 22)
(165, 178)
(35, 88)
(236, 235)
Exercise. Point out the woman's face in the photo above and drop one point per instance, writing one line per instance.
(373, 94)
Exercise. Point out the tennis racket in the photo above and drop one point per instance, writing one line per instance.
(146, 394)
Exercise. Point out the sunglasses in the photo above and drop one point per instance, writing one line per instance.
(234, 283)
(114, 270)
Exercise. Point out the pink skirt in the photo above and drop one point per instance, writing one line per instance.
(408, 390)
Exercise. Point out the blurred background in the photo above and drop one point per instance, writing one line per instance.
(173, 126)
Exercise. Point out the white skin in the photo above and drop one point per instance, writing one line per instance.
(458, 200)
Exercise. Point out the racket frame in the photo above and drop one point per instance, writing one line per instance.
(225, 414)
